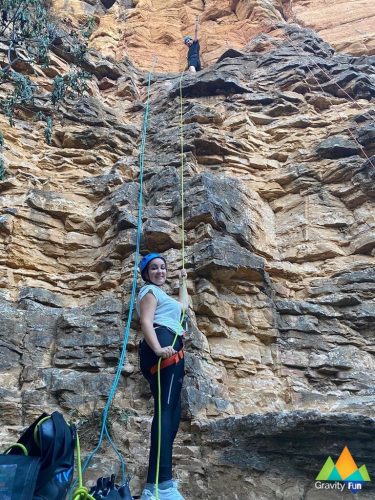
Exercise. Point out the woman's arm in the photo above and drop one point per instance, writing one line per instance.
(147, 308)
(183, 296)
(196, 28)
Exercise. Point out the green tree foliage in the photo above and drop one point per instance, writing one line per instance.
(28, 33)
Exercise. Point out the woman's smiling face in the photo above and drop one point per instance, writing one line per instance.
(157, 271)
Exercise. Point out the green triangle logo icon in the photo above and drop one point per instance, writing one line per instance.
(326, 470)
(364, 473)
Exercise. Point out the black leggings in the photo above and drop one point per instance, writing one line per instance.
(171, 379)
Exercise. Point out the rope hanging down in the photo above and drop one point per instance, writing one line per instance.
(104, 429)
(80, 493)
(182, 178)
(183, 305)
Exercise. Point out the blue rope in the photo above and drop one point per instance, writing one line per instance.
(112, 392)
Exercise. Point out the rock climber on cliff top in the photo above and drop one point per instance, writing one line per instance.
(194, 63)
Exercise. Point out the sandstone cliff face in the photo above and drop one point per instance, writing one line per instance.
(349, 25)
(279, 175)
(143, 30)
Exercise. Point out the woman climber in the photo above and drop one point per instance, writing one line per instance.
(161, 317)
(194, 63)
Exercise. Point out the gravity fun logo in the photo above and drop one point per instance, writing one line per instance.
(344, 473)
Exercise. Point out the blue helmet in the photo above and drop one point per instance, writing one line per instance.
(188, 38)
(147, 259)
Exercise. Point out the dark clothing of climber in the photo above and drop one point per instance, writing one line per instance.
(194, 63)
(160, 317)
(193, 56)
(171, 379)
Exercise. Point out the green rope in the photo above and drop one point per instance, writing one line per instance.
(17, 445)
(81, 492)
(182, 177)
(183, 308)
(159, 435)
(35, 434)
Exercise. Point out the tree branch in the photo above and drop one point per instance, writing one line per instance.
(14, 18)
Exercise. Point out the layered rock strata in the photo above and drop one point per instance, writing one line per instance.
(279, 174)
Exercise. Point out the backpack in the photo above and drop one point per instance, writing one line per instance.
(40, 465)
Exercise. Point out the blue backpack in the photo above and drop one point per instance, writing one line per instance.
(40, 465)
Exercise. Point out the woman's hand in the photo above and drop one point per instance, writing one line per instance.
(183, 293)
(165, 352)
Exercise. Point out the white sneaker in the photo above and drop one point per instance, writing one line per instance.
(147, 495)
(171, 493)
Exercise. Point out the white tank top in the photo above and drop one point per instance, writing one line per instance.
(168, 310)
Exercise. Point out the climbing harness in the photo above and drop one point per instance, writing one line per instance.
(172, 360)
